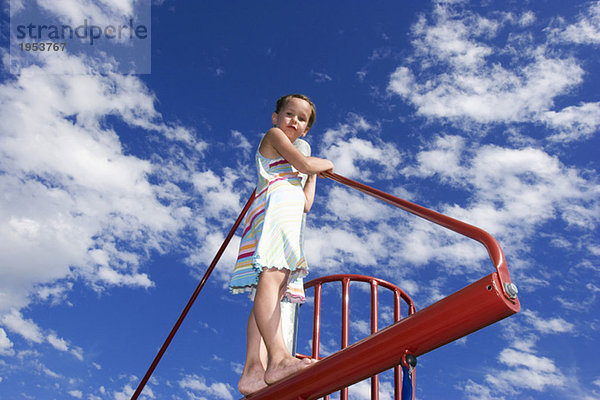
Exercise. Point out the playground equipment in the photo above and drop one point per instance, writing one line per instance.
(474, 307)
(403, 381)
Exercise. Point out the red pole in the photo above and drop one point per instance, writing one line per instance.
(345, 323)
(317, 323)
(374, 328)
(192, 300)
(397, 375)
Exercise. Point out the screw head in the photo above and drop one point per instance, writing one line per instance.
(511, 290)
(411, 360)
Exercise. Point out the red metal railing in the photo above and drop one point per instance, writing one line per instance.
(480, 304)
(374, 284)
(474, 307)
(490, 243)
(468, 310)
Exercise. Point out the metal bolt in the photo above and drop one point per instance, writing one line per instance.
(511, 290)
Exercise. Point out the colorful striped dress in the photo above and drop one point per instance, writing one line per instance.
(273, 230)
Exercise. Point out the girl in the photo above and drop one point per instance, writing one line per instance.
(271, 261)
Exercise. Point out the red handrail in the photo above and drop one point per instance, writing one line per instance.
(491, 244)
(192, 299)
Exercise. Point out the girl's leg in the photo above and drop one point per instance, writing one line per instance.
(253, 376)
(267, 313)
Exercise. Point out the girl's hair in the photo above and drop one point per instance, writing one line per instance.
(313, 113)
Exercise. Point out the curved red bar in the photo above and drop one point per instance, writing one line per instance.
(490, 243)
(374, 283)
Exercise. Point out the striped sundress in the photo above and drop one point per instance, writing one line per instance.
(273, 230)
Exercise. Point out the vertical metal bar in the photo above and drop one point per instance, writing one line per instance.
(374, 329)
(345, 325)
(316, 323)
(345, 311)
(397, 369)
(317, 326)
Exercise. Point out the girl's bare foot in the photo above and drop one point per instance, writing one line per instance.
(252, 381)
(276, 371)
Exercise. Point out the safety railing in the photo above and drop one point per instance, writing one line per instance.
(374, 284)
(474, 307)
(473, 232)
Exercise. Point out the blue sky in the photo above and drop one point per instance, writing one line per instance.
(117, 190)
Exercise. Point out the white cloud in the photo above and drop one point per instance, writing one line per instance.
(492, 94)
(78, 394)
(357, 151)
(533, 186)
(522, 369)
(76, 205)
(330, 249)
(206, 249)
(527, 18)
(241, 142)
(126, 393)
(453, 36)
(76, 11)
(456, 75)
(54, 293)
(525, 371)
(57, 343)
(197, 384)
(347, 205)
(217, 191)
(585, 31)
(77, 352)
(321, 77)
(28, 329)
(237, 368)
(71, 192)
(476, 391)
(574, 122)
(361, 328)
(552, 325)
(442, 158)
(362, 390)
(512, 190)
(6, 346)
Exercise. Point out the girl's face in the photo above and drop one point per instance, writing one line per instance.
(292, 119)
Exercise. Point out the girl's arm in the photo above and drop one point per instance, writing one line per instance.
(309, 191)
(276, 143)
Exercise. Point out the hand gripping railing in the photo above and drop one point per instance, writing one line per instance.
(480, 304)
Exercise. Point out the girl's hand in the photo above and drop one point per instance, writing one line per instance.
(324, 173)
(276, 144)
